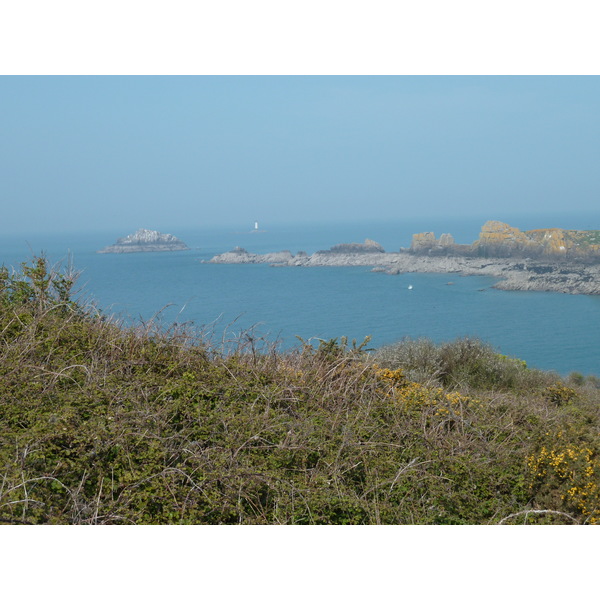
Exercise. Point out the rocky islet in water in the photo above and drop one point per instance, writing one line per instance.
(145, 240)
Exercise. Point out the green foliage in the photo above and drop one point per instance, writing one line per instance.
(103, 424)
(465, 362)
(333, 348)
(38, 285)
(576, 378)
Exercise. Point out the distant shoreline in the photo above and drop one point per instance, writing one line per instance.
(515, 274)
(541, 260)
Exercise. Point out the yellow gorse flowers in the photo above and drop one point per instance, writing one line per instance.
(576, 469)
(415, 395)
(560, 393)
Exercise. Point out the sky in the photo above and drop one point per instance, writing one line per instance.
(115, 153)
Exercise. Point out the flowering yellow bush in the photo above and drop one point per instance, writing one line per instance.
(560, 394)
(390, 376)
(416, 395)
(575, 471)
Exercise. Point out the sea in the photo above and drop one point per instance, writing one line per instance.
(229, 304)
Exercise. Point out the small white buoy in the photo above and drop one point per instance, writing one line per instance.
(410, 287)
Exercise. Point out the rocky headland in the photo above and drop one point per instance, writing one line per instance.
(241, 256)
(145, 240)
(554, 260)
(499, 240)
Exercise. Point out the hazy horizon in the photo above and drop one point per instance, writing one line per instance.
(173, 153)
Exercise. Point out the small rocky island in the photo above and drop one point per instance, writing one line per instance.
(145, 240)
(554, 260)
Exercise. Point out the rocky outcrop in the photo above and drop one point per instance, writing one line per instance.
(241, 256)
(426, 243)
(546, 277)
(423, 242)
(340, 255)
(513, 274)
(499, 240)
(517, 275)
(145, 240)
(369, 246)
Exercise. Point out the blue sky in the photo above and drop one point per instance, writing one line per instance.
(168, 153)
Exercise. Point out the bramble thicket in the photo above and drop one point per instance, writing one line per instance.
(101, 423)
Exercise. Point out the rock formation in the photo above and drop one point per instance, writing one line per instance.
(354, 248)
(499, 240)
(426, 243)
(145, 240)
(554, 260)
(423, 242)
(242, 256)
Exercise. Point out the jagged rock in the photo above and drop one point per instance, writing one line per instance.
(498, 239)
(145, 240)
(446, 239)
(501, 240)
(423, 241)
(426, 243)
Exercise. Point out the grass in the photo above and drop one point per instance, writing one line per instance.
(106, 424)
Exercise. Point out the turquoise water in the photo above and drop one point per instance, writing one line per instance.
(548, 330)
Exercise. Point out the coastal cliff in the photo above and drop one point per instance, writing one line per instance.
(145, 240)
(499, 240)
(555, 260)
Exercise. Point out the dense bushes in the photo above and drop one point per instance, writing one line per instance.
(100, 423)
(463, 363)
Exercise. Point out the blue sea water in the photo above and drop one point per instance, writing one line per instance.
(548, 330)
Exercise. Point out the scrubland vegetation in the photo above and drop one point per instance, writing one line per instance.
(106, 424)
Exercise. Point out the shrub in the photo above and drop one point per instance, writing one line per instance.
(568, 474)
(560, 393)
(576, 378)
(464, 362)
(106, 424)
(37, 284)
